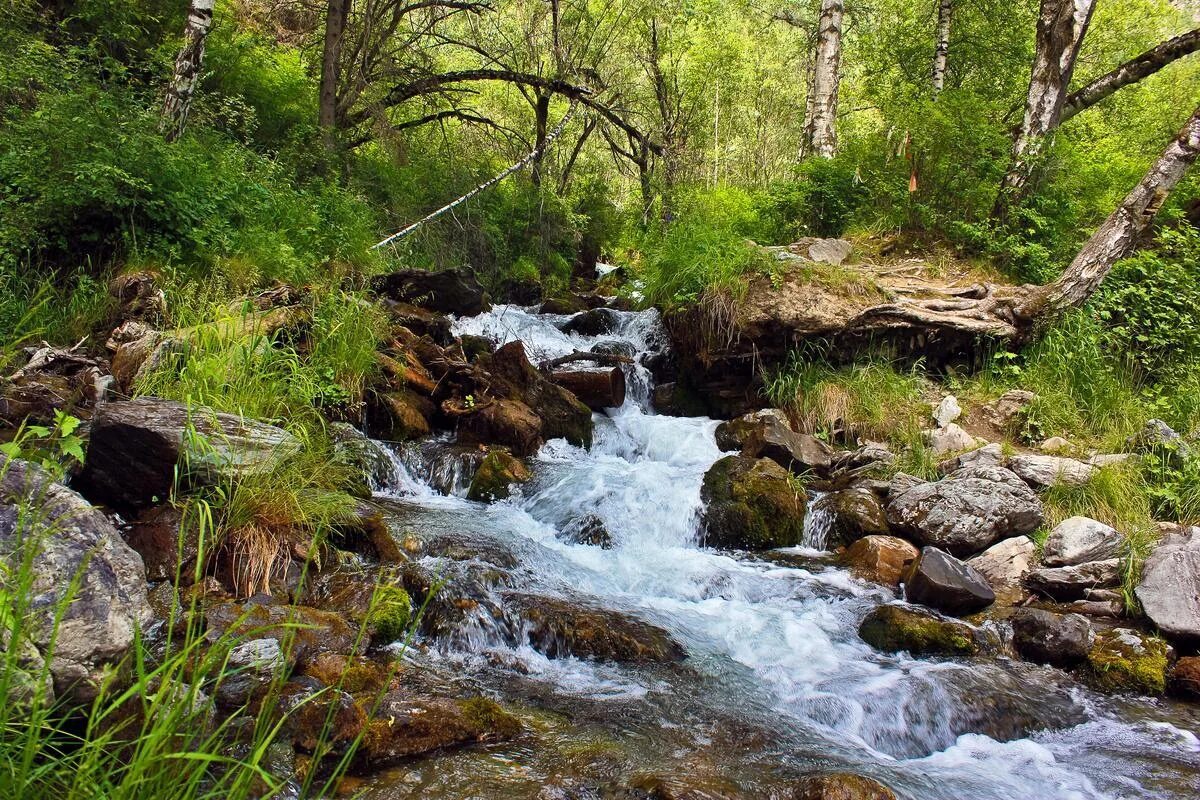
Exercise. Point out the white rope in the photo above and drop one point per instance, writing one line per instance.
(550, 137)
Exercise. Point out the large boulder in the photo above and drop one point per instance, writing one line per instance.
(1004, 566)
(1062, 640)
(1170, 587)
(1042, 472)
(512, 376)
(967, 511)
(939, 580)
(570, 626)
(881, 559)
(1076, 581)
(893, 628)
(510, 423)
(854, 513)
(1079, 539)
(451, 291)
(136, 446)
(86, 596)
(1124, 660)
(768, 434)
(751, 504)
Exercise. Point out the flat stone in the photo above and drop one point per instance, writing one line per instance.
(939, 580)
(991, 455)
(1073, 582)
(1080, 539)
(1170, 587)
(1042, 472)
(829, 251)
(1004, 565)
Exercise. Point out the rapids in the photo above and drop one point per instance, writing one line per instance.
(777, 682)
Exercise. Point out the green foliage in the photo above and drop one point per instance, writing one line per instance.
(821, 201)
(55, 449)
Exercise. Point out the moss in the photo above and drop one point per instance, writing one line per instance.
(496, 474)
(894, 628)
(1122, 660)
(490, 718)
(390, 614)
(752, 504)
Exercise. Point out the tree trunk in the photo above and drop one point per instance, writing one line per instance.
(1117, 237)
(1060, 30)
(187, 70)
(335, 32)
(820, 125)
(541, 119)
(941, 52)
(1131, 71)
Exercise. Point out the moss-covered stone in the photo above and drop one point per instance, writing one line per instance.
(1123, 660)
(390, 614)
(752, 504)
(496, 474)
(896, 628)
(488, 715)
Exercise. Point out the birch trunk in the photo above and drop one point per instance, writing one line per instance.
(1117, 237)
(1060, 30)
(941, 53)
(187, 69)
(820, 124)
(1131, 71)
(335, 32)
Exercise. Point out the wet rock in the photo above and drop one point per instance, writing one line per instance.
(498, 471)
(510, 423)
(1008, 411)
(597, 389)
(595, 322)
(373, 597)
(1079, 539)
(1184, 680)
(136, 445)
(564, 304)
(768, 434)
(354, 674)
(451, 291)
(399, 414)
(420, 321)
(990, 455)
(1073, 582)
(939, 580)
(967, 511)
(301, 632)
(403, 725)
(751, 504)
(562, 414)
(841, 786)
(947, 411)
(70, 543)
(1123, 660)
(677, 400)
(319, 716)
(949, 439)
(1042, 472)
(1004, 566)
(855, 513)
(475, 346)
(559, 627)
(893, 628)
(1169, 590)
(248, 670)
(167, 547)
(880, 559)
(588, 529)
(1061, 640)
(366, 457)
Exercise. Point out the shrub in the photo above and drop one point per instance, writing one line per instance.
(820, 201)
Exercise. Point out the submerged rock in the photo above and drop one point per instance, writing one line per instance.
(69, 545)
(560, 627)
(1080, 539)
(1123, 660)
(881, 559)
(1170, 587)
(588, 529)
(751, 504)
(967, 511)
(596, 322)
(893, 628)
(1004, 566)
(1062, 640)
(939, 580)
(496, 474)
(841, 786)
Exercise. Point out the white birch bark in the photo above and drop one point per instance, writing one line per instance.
(820, 127)
(941, 52)
(187, 69)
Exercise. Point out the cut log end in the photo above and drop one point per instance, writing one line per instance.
(595, 389)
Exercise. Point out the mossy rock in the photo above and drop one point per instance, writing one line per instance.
(1123, 660)
(488, 715)
(390, 614)
(496, 474)
(895, 628)
(752, 504)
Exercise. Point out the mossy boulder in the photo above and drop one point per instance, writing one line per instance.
(895, 628)
(399, 414)
(498, 471)
(1124, 660)
(752, 504)
(841, 786)
(404, 725)
(562, 415)
(856, 513)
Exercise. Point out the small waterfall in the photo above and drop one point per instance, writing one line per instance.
(817, 522)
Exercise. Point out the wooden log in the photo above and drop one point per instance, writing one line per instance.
(595, 389)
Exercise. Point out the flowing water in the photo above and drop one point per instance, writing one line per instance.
(777, 682)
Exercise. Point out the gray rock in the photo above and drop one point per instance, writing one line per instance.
(1006, 411)
(856, 513)
(1170, 587)
(990, 455)
(1073, 582)
(941, 581)
(136, 445)
(249, 669)
(1158, 437)
(866, 455)
(829, 251)
(947, 411)
(967, 511)
(367, 457)
(1004, 565)
(901, 482)
(1048, 638)
(768, 434)
(74, 544)
(1042, 472)
(990, 472)
(949, 439)
(1079, 539)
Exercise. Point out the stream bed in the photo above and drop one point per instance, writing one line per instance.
(776, 684)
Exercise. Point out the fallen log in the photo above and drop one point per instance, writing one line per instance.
(595, 389)
(606, 359)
